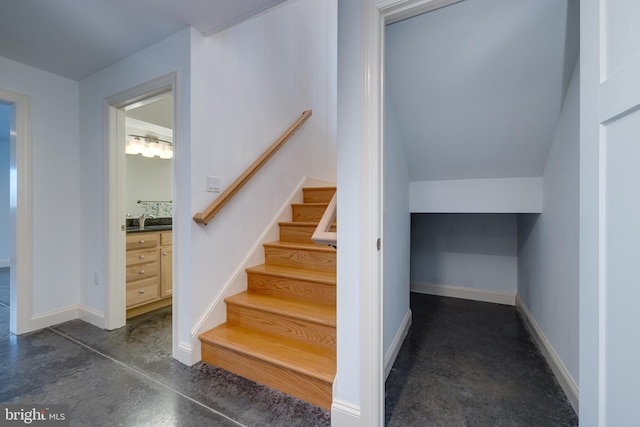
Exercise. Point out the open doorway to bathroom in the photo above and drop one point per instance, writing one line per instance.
(149, 206)
(140, 210)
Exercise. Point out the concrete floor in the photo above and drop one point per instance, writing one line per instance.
(468, 363)
(127, 377)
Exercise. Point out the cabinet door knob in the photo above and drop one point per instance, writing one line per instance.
(141, 256)
(141, 271)
(164, 253)
(142, 291)
(141, 241)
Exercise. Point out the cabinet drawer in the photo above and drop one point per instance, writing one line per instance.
(142, 241)
(166, 238)
(142, 271)
(139, 257)
(144, 291)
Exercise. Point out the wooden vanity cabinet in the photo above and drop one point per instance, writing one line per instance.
(148, 271)
(166, 263)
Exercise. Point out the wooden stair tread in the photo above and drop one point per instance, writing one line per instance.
(319, 276)
(303, 246)
(308, 359)
(288, 307)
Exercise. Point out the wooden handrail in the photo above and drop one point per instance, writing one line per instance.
(224, 198)
(323, 235)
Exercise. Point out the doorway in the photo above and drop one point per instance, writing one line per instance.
(149, 203)
(5, 125)
(130, 119)
(19, 214)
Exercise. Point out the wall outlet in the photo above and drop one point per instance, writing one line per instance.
(213, 184)
(96, 278)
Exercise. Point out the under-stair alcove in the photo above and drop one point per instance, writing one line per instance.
(481, 152)
(472, 255)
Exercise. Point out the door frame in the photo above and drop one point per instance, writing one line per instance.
(376, 14)
(115, 233)
(20, 215)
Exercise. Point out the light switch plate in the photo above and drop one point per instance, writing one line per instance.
(213, 184)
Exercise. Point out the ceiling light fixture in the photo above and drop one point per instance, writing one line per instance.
(149, 146)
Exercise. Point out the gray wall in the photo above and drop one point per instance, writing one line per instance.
(467, 250)
(4, 185)
(396, 232)
(548, 244)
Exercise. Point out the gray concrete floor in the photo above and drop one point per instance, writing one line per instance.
(468, 363)
(127, 377)
(463, 364)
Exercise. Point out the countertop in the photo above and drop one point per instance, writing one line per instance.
(149, 228)
(150, 225)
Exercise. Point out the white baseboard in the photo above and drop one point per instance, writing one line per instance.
(563, 376)
(344, 414)
(92, 316)
(484, 295)
(394, 349)
(186, 355)
(51, 318)
(5, 263)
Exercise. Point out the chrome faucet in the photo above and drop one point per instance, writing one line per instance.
(142, 218)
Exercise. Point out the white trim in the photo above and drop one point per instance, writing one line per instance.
(5, 263)
(21, 215)
(184, 354)
(54, 317)
(371, 286)
(563, 376)
(396, 344)
(90, 315)
(484, 295)
(344, 414)
(216, 312)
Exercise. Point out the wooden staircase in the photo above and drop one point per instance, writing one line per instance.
(281, 332)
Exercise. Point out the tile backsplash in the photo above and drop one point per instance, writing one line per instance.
(156, 209)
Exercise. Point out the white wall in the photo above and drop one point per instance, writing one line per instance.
(170, 55)
(496, 195)
(250, 83)
(4, 185)
(147, 179)
(395, 239)
(548, 255)
(55, 183)
(350, 82)
(475, 251)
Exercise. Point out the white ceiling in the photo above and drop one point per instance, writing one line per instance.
(476, 88)
(76, 38)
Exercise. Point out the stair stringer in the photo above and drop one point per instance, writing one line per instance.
(216, 312)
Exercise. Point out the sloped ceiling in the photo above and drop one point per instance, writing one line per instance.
(77, 38)
(477, 87)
